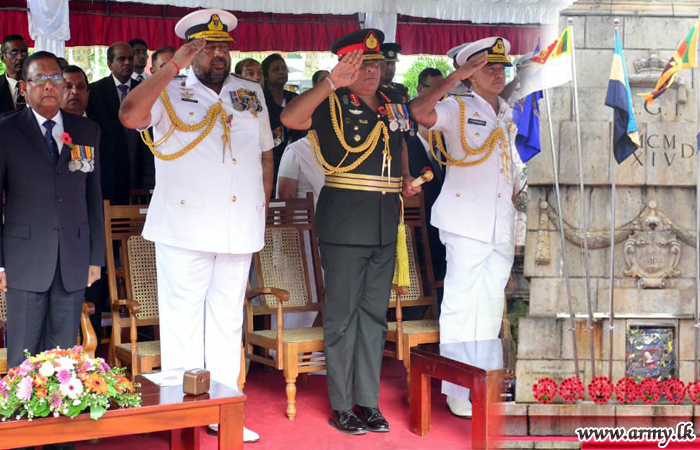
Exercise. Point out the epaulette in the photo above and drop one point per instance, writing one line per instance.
(392, 93)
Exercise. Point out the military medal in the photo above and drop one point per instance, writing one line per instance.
(248, 100)
(354, 100)
(397, 113)
(82, 157)
(356, 112)
(278, 136)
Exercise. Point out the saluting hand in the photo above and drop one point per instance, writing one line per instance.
(184, 55)
(347, 71)
(469, 67)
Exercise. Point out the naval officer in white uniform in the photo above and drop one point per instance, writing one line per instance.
(474, 211)
(212, 141)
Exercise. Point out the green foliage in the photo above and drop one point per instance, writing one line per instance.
(2, 68)
(410, 78)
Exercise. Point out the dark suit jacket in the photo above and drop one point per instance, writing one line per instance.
(6, 103)
(50, 212)
(126, 161)
(417, 160)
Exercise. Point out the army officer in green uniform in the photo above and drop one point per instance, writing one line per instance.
(359, 141)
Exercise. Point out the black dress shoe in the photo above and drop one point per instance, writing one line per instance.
(347, 422)
(373, 418)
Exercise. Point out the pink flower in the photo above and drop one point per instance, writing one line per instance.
(25, 368)
(55, 400)
(104, 367)
(88, 365)
(24, 389)
(63, 376)
(3, 386)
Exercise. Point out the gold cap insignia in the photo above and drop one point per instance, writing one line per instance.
(371, 41)
(499, 48)
(215, 23)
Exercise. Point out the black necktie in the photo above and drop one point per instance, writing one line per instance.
(50, 141)
(139, 78)
(19, 102)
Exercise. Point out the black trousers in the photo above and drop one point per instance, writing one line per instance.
(358, 287)
(38, 321)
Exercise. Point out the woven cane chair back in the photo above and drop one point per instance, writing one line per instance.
(142, 271)
(121, 223)
(290, 258)
(419, 262)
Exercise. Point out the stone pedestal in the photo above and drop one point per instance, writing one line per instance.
(655, 221)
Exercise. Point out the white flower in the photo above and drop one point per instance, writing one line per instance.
(72, 389)
(47, 369)
(65, 363)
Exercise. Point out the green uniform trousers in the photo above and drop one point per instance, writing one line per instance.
(358, 287)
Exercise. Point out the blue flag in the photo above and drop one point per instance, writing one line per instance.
(526, 115)
(619, 97)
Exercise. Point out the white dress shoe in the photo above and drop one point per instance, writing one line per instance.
(461, 408)
(249, 436)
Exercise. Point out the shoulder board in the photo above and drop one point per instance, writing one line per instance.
(180, 76)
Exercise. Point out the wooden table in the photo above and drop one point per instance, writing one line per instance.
(163, 408)
(477, 368)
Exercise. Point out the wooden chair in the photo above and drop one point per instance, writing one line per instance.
(137, 294)
(87, 337)
(285, 285)
(407, 334)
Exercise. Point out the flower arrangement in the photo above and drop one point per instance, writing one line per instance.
(544, 390)
(627, 390)
(571, 389)
(650, 390)
(674, 390)
(64, 382)
(694, 391)
(600, 389)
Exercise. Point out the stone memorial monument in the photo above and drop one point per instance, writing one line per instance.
(654, 268)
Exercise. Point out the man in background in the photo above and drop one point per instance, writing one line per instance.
(140, 49)
(126, 162)
(160, 57)
(250, 69)
(391, 53)
(14, 51)
(420, 158)
(75, 90)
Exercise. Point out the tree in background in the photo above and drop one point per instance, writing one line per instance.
(410, 78)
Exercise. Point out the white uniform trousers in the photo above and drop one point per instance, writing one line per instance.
(473, 301)
(200, 297)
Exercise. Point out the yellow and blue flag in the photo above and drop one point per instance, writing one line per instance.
(526, 115)
(619, 97)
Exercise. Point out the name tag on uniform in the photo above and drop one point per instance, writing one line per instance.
(477, 122)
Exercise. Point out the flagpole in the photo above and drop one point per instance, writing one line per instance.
(613, 194)
(562, 236)
(584, 219)
(696, 328)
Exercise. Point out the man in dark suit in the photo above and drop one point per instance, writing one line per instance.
(13, 52)
(126, 162)
(53, 237)
(419, 158)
